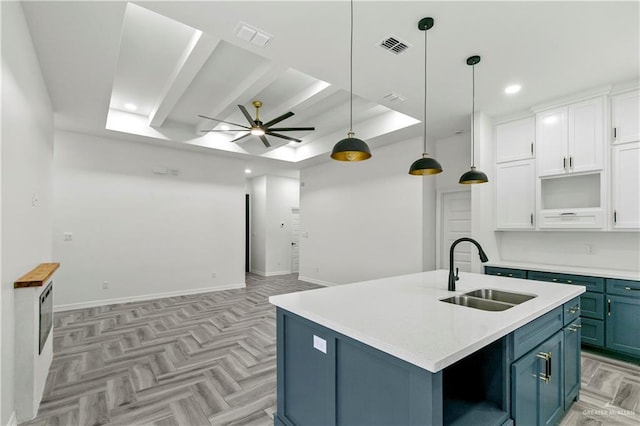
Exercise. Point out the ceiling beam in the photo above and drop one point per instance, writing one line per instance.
(197, 52)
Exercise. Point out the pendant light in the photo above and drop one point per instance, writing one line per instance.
(425, 165)
(473, 175)
(351, 148)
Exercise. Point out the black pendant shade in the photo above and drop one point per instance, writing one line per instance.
(425, 165)
(351, 149)
(473, 176)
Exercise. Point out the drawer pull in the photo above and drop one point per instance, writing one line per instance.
(511, 275)
(498, 273)
(555, 280)
(575, 327)
(569, 214)
(573, 309)
(632, 289)
(546, 376)
(569, 282)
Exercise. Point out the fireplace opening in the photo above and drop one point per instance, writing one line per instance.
(46, 314)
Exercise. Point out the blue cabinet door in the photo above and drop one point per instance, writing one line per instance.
(571, 362)
(623, 317)
(592, 305)
(592, 332)
(538, 385)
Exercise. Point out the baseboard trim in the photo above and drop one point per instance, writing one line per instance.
(270, 274)
(94, 303)
(316, 281)
(13, 421)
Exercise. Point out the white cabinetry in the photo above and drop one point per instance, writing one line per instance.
(515, 194)
(626, 186)
(625, 117)
(570, 139)
(515, 140)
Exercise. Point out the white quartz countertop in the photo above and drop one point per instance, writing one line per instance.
(575, 270)
(404, 317)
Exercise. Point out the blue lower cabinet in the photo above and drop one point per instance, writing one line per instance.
(571, 362)
(592, 305)
(623, 317)
(505, 272)
(592, 332)
(538, 384)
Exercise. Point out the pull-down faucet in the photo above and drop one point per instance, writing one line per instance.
(454, 278)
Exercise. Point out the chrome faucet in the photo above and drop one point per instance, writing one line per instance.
(454, 278)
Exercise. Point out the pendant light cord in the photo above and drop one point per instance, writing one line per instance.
(473, 116)
(351, 74)
(424, 136)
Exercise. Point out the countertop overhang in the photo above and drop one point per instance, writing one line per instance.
(404, 317)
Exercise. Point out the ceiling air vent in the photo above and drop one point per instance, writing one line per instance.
(394, 98)
(394, 45)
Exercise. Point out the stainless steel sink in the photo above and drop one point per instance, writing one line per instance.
(477, 303)
(488, 299)
(500, 295)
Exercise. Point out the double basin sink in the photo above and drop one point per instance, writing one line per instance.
(488, 299)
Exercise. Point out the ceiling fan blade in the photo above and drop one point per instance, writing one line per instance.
(241, 137)
(278, 119)
(218, 130)
(265, 141)
(222, 121)
(246, 114)
(283, 137)
(290, 129)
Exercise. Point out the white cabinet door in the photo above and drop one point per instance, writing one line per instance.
(551, 135)
(586, 136)
(515, 195)
(626, 186)
(514, 140)
(625, 117)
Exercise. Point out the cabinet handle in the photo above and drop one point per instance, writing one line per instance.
(555, 280)
(573, 309)
(608, 307)
(615, 133)
(569, 214)
(531, 218)
(632, 289)
(575, 327)
(546, 376)
(571, 162)
(615, 216)
(498, 273)
(564, 163)
(531, 148)
(569, 281)
(511, 275)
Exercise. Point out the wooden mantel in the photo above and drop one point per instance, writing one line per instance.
(38, 276)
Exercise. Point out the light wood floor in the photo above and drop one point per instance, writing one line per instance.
(209, 359)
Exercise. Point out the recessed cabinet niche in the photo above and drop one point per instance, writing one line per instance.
(570, 139)
(571, 202)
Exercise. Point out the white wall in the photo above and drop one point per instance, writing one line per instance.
(362, 220)
(146, 234)
(454, 155)
(27, 151)
(272, 199)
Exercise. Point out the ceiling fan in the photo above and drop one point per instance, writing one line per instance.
(260, 129)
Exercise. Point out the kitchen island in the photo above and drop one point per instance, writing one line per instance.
(390, 351)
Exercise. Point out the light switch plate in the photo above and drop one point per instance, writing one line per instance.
(320, 344)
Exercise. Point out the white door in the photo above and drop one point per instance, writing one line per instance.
(455, 218)
(625, 113)
(295, 236)
(515, 194)
(626, 186)
(586, 137)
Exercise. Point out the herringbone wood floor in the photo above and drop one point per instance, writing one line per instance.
(209, 359)
(190, 360)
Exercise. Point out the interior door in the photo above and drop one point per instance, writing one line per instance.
(455, 221)
(295, 238)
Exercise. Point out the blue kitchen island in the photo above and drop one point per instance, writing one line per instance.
(392, 352)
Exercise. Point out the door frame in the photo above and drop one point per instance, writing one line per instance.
(439, 214)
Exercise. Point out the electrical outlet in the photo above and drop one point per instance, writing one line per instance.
(68, 236)
(588, 248)
(105, 285)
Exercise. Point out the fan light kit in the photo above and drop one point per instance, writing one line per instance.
(258, 128)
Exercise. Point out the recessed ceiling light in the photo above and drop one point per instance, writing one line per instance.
(130, 106)
(514, 88)
(224, 127)
(247, 171)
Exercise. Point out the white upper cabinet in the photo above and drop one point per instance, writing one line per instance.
(515, 185)
(552, 137)
(515, 140)
(571, 139)
(626, 186)
(625, 117)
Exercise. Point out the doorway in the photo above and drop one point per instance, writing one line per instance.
(454, 221)
(295, 239)
(247, 234)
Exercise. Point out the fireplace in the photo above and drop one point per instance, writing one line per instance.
(46, 314)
